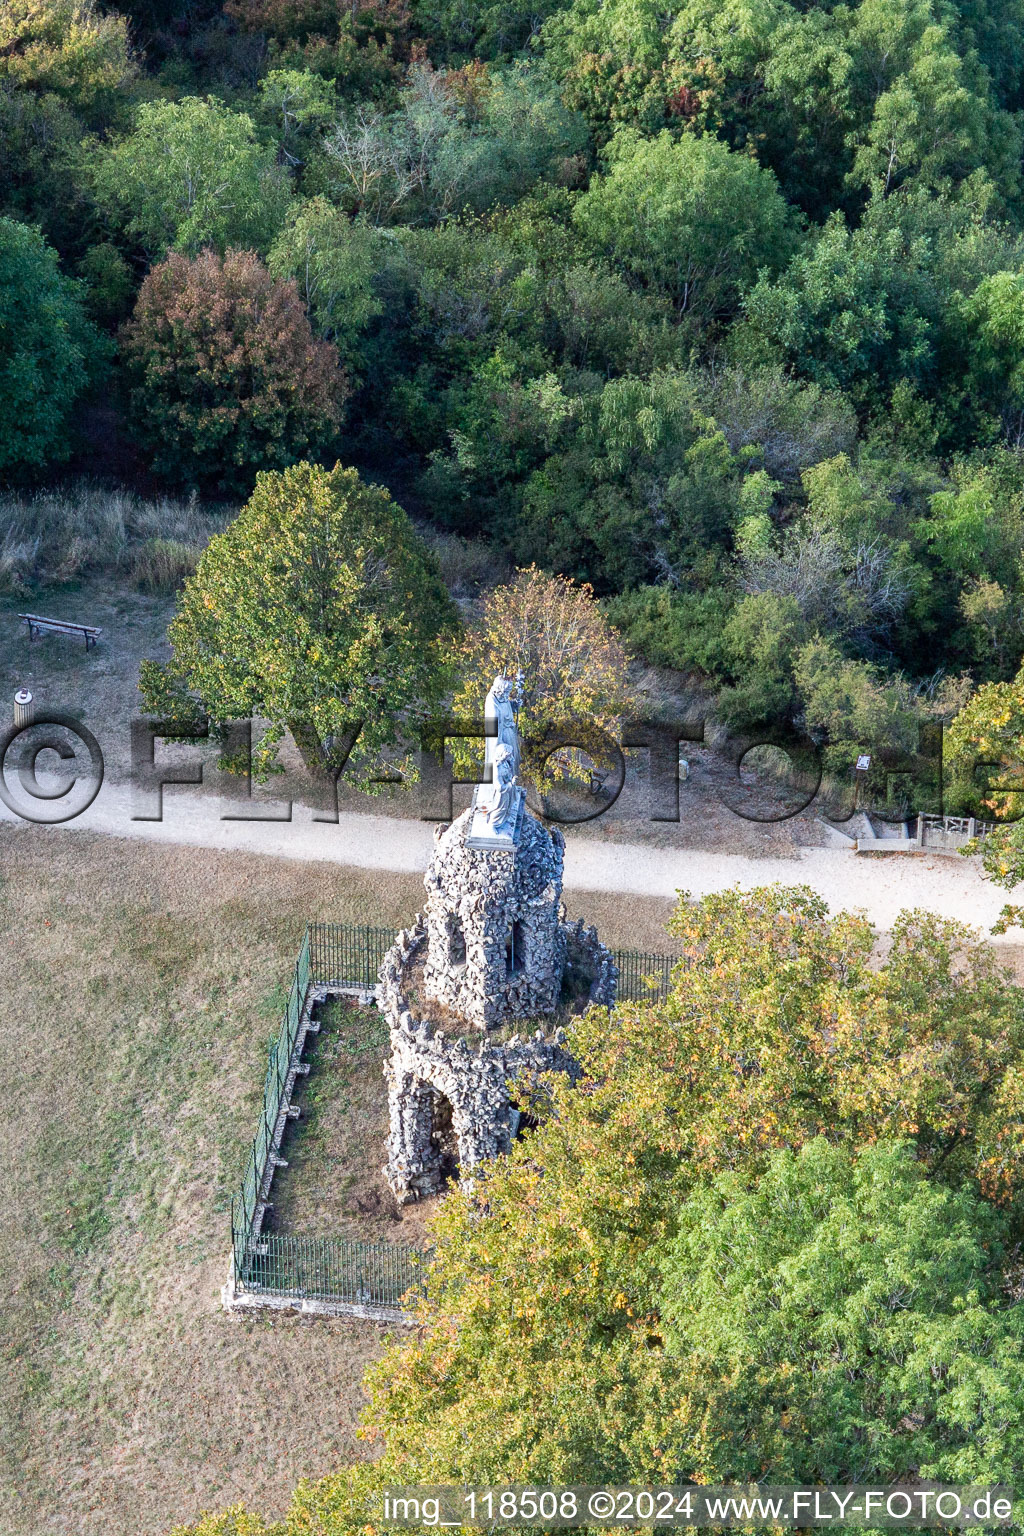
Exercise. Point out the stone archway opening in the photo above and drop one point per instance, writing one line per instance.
(456, 941)
(443, 1139)
(521, 1121)
(515, 948)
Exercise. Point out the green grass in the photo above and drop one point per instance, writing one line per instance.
(333, 1185)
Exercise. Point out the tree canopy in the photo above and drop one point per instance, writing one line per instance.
(192, 173)
(317, 611)
(228, 376)
(687, 217)
(47, 349)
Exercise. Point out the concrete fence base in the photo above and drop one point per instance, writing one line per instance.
(234, 1300)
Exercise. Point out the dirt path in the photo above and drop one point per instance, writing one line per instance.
(881, 886)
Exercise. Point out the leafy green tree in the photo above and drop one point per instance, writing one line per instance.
(297, 105)
(42, 157)
(228, 377)
(109, 282)
(852, 707)
(994, 316)
(975, 526)
(66, 71)
(760, 639)
(69, 49)
(688, 218)
(843, 1318)
(996, 617)
(646, 486)
(855, 312)
(881, 311)
(604, 325)
(193, 173)
(673, 628)
(480, 29)
(933, 120)
(333, 260)
(318, 610)
(47, 349)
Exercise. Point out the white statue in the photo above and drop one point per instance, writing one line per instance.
(497, 799)
(500, 812)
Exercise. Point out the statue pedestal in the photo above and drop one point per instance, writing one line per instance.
(482, 834)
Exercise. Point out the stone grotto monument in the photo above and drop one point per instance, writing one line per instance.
(491, 948)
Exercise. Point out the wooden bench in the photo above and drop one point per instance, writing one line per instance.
(40, 626)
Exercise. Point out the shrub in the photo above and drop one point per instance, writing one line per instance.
(109, 283)
(229, 378)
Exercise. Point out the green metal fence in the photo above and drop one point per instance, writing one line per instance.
(642, 978)
(346, 954)
(274, 1087)
(332, 1269)
(335, 1269)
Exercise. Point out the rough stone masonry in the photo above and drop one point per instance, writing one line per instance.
(491, 948)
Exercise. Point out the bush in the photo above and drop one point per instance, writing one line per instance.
(682, 630)
(109, 283)
(47, 349)
(229, 378)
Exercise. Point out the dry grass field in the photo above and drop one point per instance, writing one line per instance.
(140, 985)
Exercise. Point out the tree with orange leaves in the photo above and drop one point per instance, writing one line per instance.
(228, 376)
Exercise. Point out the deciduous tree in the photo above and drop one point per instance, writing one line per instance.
(228, 376)
(47, 348)
(573, 664)
(193, 173)
(318, 610)
(686, 217)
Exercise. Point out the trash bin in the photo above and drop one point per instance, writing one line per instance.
(24, 707)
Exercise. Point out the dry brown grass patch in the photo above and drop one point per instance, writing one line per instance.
(141, 984)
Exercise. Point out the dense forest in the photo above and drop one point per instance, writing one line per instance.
(719, 308)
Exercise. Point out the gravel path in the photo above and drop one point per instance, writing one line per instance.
(881, 886)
